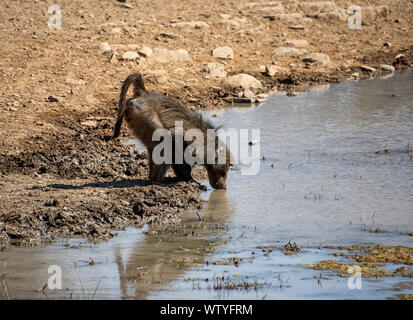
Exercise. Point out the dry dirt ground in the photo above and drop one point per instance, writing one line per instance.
(59, 88)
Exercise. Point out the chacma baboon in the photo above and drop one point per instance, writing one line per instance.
(148, 111)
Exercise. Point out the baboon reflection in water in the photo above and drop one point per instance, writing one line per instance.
(159, 259)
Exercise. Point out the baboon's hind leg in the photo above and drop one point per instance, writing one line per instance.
(157, 171)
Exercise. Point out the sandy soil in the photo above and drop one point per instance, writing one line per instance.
(59, 88)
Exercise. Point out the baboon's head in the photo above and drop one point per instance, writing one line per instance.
(217, 175)
(218, 171)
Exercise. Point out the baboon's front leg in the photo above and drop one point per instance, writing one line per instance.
(158, 172)
(182, 172)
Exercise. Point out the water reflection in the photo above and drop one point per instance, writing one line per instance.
(128, 266)
(166, 253)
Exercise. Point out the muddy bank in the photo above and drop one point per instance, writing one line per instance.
(80, 185)
(60, 86)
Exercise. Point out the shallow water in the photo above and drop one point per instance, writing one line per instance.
(332, 183)
(328, 181)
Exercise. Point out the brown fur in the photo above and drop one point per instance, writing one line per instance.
(148, 111)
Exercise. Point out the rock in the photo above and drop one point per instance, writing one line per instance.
(261, 68)
(180, 55)
(262, 96)
(338, 14)
(145, 52)
(272, 5)
(280, 51)
(354, 76)
(272, 9)
(116, 30)
(52, 99)
(248, 94)
(163, 55)
(168, 35)
(52, 203)
(127, 6)
(130, 55)
(235, 22)
(387, 68)
(218, 72)
(400, 59)
(215, 70)
(133, 47)
(158, 76)
(297, 43)
(316, 57)
(368, 69)
(224, 16)
(119, 47)
(191, 24)
(270, 17)
(244, 81)
(272, 70)
(226, 19)
(298, 27)
(89, 123)
(139, 208)
(253, 5)
(290, 17)
(105, 47)
(242, 100)
(223, 52)
(269, 6)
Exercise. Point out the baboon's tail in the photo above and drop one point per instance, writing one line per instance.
(138, 89)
